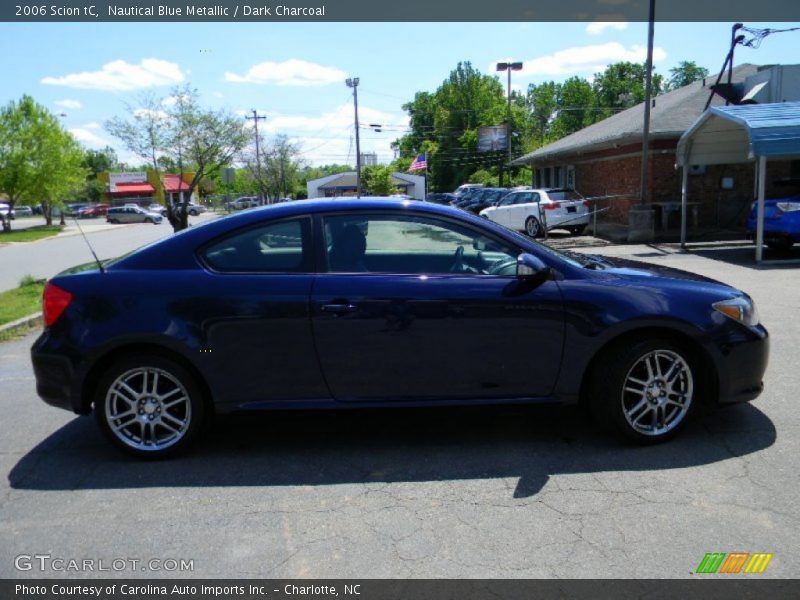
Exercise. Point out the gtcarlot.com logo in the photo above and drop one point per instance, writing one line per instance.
(48, 562)
(733, 563)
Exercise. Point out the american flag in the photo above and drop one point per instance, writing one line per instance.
(420, 163)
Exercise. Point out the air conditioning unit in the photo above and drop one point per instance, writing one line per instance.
(697, 170)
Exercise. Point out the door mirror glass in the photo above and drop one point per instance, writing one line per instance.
(529, 266)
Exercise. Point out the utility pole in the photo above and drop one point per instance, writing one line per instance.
(353, 83)
(256, 118)
(648, 95)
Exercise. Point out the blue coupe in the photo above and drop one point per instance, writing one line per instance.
(377, 302)
(781, 222)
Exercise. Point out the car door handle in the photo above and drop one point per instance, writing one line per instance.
(339, 309)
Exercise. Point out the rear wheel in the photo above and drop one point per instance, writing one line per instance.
(577, 229)
(149, 406)
(645, 390)
(532, 227)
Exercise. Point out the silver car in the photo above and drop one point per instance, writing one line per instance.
(130, 214)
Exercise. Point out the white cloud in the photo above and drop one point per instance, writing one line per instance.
(68, 104)
(328, 137)
(87, 137)
(292, 72)
(587, 59)
(121, 76)
(598, 27)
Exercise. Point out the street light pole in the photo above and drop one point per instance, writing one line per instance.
(509, 66)
(256, 117)
(353, 83)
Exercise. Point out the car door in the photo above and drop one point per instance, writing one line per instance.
(414, 307)
(502, 212)
(252, 307)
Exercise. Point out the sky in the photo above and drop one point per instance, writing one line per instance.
(294, 73)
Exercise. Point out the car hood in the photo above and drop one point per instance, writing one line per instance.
(638, 269)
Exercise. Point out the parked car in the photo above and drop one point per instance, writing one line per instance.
(7, 212)
(155, 207)
(525, 210)
(23, 211)
(129, 214)
(195, 209)
(467, 196)
(781, 222)
(488, 197)
(242, 203)
(73, 209)
(460, 190)
(438, 198)
(357, 319)
(94, 211)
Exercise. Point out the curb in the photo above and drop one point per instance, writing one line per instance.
(24, 323)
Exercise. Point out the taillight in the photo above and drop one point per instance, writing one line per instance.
(54, 302)
(587, 204)
(552, 206)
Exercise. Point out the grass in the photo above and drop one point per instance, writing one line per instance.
(31, 234)
(22, 301)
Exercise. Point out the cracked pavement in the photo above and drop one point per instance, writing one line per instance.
(531, 492)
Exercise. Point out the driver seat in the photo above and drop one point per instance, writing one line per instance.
(348, 252)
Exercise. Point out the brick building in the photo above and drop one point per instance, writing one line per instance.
(604, 159)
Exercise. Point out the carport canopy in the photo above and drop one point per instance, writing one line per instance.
(737, 134)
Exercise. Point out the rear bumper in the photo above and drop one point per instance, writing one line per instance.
(57, 382)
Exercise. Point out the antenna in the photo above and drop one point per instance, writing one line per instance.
(97, 260)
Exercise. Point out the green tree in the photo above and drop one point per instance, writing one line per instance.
(685, 73)
(96, 162)
(198, 141)
(577, 107)
(40, 162)
(622, 85)
(377, 180)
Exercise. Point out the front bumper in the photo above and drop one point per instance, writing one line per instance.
(741, 364)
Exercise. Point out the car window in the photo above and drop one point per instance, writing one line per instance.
(280, 247)
(364, 243)
(508, 200)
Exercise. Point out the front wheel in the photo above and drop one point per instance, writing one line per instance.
(149, 406)
(532, 227)
(644, 390)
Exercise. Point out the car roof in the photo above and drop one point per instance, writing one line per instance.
(178, 251)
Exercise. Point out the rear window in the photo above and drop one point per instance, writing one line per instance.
(281, 247)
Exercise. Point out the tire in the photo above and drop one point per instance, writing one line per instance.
(193, 213)
(114, 222)
(645, 404)
(149, 220)
(532, 227)
(144, 431)
(577, 229)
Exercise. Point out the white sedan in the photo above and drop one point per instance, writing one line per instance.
(531, 210)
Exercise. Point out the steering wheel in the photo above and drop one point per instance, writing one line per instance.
(458, 261)
(504, 266)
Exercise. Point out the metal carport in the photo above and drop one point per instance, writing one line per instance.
(737, 134)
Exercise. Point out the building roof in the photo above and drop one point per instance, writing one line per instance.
(173, 183)
(347, 180)
(731, 134)
(670, 116)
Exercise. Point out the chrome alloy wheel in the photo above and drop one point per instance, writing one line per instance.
(147, 409)
(657, 392)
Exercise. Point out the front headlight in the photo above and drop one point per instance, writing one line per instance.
(741, 309)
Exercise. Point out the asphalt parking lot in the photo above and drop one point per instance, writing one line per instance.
(502, 492)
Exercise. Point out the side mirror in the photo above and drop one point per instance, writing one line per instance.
(531, 267)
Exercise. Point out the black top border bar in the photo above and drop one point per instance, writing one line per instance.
(396, 10)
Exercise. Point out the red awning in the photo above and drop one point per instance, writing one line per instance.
(133, 189)
(173, 184)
